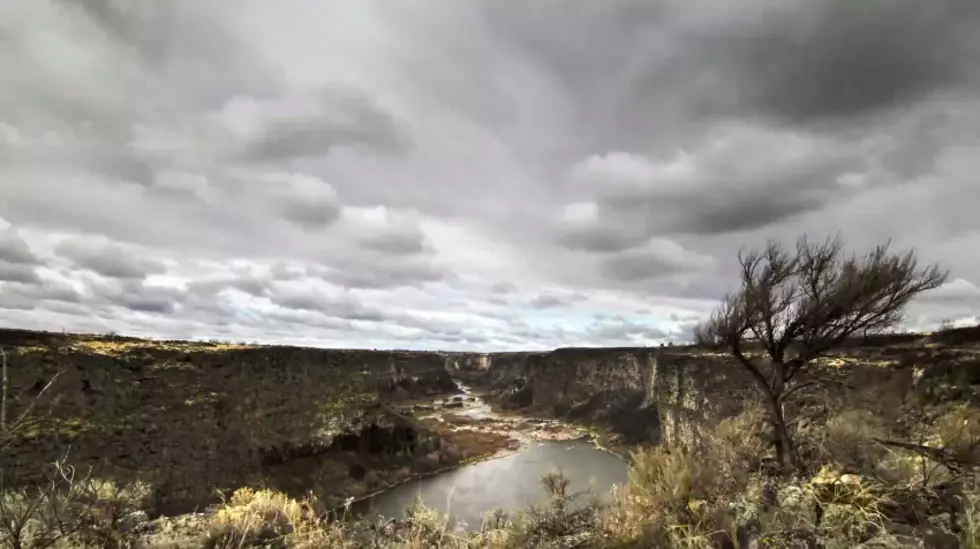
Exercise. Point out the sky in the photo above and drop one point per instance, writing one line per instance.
(469, 174)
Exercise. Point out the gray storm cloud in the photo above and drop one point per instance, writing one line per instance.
(475, 175)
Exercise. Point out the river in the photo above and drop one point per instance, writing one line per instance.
(509, 483)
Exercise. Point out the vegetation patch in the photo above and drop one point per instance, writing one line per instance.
(110, 347)
(344, 403)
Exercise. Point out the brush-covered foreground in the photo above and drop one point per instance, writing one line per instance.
(719, 494)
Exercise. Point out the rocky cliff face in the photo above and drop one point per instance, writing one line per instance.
(189, 418)
(668, 394)
(642, 394)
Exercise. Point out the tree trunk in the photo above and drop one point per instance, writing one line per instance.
(772, 397)
(781, 439)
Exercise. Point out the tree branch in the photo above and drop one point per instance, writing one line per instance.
(943, 456)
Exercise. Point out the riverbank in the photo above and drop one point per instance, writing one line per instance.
(483, 410)
(463, 420)
(467, 495)
(466, 420)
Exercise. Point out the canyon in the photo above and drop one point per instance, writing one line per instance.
(193, 419)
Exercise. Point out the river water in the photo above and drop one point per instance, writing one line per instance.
(510, 483)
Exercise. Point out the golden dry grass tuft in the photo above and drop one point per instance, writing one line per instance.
(848, 440)
(673, 498)
(970, 536)
(265, 518)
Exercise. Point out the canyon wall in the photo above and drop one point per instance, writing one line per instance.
(658, 395)
(669, 394)
(188, 418)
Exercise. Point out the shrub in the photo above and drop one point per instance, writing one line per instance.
(672, 499)
(740, 443)
(72, 511)
(970, 522)
(265, 518)
(848, 441)
(564, 515)
(958, 431)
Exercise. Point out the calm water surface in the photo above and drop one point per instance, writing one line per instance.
(510, 483)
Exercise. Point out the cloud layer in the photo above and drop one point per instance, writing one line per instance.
(479, 175)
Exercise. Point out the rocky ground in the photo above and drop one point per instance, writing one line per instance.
(470, 413)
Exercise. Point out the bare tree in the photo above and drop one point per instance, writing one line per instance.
(798, 306)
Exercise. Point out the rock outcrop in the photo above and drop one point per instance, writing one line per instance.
(668, 394)
(642, 394)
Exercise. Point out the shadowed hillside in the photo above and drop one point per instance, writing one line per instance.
(189, 418)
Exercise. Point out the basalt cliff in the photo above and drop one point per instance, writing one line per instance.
(668, 395)
(638, 395)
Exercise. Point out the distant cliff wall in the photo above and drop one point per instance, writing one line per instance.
(660, 395)
(669, 394)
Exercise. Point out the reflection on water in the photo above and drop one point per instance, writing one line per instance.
(509, 483)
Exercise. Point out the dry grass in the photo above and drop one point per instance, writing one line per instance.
(741, 442)
(265, 518)
(708, 498)
(119, 347)
(970, 536)
(847, 442)
(958, 430)
(672, 499)
(73, 511)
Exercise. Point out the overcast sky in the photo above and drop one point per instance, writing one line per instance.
(468, 174)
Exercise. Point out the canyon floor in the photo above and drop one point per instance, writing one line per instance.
(476, 432)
